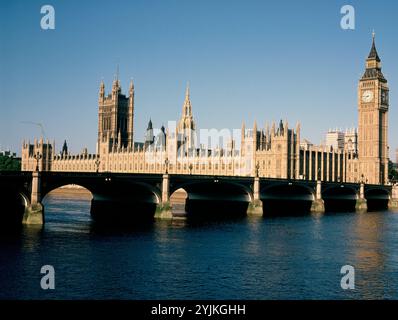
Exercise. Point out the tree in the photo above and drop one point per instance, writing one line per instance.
(9, 164)
(392, 172)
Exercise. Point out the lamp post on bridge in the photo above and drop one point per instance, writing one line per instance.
(37, 157)
(166, 164)
(97, 164)
(257, 169)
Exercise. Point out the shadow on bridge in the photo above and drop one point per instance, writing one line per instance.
(340, 198)
(127, 203)
(124, 198)
(377, 199)
(287, 199)
(114, 201)
(13, 203)
(210, 199)
(15, 193)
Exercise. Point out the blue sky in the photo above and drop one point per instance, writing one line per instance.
(245, 60)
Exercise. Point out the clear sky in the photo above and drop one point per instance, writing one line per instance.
(245, 60)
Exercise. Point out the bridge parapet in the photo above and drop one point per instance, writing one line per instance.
(257, 193)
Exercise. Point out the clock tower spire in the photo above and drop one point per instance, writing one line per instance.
(373, 121)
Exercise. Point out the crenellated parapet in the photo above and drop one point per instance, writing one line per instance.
(271, 153)
(75, 163)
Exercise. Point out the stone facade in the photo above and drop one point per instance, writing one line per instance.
(115, 116)
(274, 152)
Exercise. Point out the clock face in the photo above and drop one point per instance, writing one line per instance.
(367, 96)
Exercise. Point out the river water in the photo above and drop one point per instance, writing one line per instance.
(283, 257)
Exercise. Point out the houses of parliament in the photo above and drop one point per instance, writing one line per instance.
(276, 151)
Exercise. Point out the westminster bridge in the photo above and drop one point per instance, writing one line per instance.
(125, 196)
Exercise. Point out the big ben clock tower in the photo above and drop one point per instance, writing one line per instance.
(373, 121)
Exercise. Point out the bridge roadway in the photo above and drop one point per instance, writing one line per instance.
(120, 197)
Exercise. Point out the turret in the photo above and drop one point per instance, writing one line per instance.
(130, 122)
(281, 128)
(116, 88)
(149, 137)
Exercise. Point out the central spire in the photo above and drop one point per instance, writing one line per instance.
(187, 92)
(186, 125)
(187, 108)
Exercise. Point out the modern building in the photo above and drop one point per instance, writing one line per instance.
(351, 140)
(335, 139)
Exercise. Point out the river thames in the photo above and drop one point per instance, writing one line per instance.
(279, 257)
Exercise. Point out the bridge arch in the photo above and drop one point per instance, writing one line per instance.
(287, 198)
(125, 201)
(14, 200)
(113, 200)
(24, 198)
(214, 197)
(49, 189)
(74, 200)
(178, 201)
(377, 198)
(340, 198)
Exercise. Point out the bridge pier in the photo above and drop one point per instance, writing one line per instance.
(255, 207)
(318, 205)
(361, 205)
(34, 213)
(393, 202)
(163, 209)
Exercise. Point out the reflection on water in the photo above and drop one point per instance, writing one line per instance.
(283, 257)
